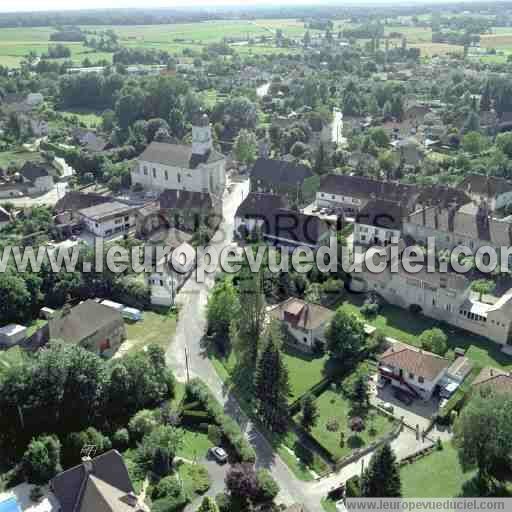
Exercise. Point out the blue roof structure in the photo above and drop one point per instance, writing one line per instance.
(10, 505)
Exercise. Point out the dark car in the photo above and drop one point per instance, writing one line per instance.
(403, 397)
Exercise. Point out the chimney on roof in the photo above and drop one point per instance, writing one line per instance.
(130, 499)
(87, 463)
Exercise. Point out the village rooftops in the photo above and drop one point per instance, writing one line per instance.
(280, 172)
(301, 314)
(101, 484)
(415, 361)
(174, 155)
(31, 171)
(74, 201)
(106, 211)
(485, 186)
(184, 200)
(258, 204)
(382, 214)
(495, 379)
(358, 186)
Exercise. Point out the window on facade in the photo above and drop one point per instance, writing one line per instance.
(166, 175)
(154, 172)
(333, 197)
(411, 376)
(145, 171)
(179, 178)
(421, 380)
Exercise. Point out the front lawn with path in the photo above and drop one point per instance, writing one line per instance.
(438, 475)
(334, 409)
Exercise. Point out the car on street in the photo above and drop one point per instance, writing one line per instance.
(388, 407)
(219, 454)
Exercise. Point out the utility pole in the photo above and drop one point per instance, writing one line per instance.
(186, 362)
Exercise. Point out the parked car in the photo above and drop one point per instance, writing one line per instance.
(403, 397)
(388, 407)
(381, 383)
(219, 454)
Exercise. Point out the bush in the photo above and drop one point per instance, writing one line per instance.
(369, 310)
(143, 423)
(196, 390)
(268, 487)
(353, 487)
(76, 441)
(41, 461)
(199, 477)
(121, 439)
(168, 486)
(215, 434)
(223, 502)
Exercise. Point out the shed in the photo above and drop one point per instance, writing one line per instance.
(12, 334)
(113, 305)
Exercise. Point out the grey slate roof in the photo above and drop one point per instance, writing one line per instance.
(280, 172)
(177, 155)
(75, 201)
(382, 214)
(101, 490)
(83, 321)
(31, 171)
(486, 186)
(260, 204)
(184, 199)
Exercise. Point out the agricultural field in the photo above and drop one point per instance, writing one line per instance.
(412, 34)
(17, 43)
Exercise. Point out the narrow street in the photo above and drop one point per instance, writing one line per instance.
(190, 330)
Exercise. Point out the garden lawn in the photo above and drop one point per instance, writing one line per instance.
(195, 445)
(17, 157)
(155, 328)
(332, 406)
(405, 326)
(438, 475)
(90, 118)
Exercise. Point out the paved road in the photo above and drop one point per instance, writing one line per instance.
(190, 329)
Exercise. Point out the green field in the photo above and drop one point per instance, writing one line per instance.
(438, 475)
(17, 157)
(155, 328)
(174, 38)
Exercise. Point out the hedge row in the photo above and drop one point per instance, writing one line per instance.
(196, 390)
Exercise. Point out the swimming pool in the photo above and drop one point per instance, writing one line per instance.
(10, 505)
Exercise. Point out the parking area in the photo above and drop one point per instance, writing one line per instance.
(417, 413)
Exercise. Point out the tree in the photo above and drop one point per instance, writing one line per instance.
(309, 415)
(483, 286)
(473, 143)
(434, 340)
(41, 461)
(472, 123)
(272, 387)
(382, 477)
(483, 435)
(504, 142)
(161, 461)
(345, 336)
(245, 147)
(379, 137)
(320, 160)
(360, 394)
(208, 505)
(165, 439)
(268, 488)
(223, 308)
(142, 423)
(242, 483)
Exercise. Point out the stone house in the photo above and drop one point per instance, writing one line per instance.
(304, 321)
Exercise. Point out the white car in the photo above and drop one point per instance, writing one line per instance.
(219, 454)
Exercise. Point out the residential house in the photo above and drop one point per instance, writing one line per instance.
(352, 193)
(187, 210)
(196, 168)
(69, 206)
(37, 177)
(291, 229)
(91, 325)
(255, 210)
(89, 140)
(110, 219)
(495, 192)
(411, 152)
(12, 334)
(170, 274)
(412, 370)
(279, 177)
(379, 222)
(494, 379)
(304, 321)
(101, 484)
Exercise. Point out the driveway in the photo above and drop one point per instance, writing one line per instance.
(418, 413)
